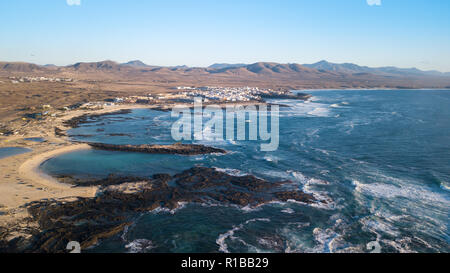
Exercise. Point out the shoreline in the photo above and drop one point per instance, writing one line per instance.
(30, 169)
(21, 181)
(373, 89)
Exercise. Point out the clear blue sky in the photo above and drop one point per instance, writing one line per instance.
(404, 33)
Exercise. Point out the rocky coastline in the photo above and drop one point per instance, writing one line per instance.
(75, 122)
(89, 220)
(287, 95)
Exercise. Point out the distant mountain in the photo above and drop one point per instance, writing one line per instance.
(340, 68)
(265, 68)
(19, 67)
(356, 69)
(407, 71)
(135, 63)
(224, 65)
(275, 75)
(104, 65)
(180, 67)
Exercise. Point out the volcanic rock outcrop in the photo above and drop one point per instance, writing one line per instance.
(177, 148)
(89, 220)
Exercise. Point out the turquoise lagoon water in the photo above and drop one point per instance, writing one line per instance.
(381, 158)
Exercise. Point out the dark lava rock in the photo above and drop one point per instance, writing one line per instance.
(294, 195)
(90, 118)
(287, 95)
(59, 132)
(180, 149)
(111, 180)
(88, 220)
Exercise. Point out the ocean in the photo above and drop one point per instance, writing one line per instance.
(381, 158)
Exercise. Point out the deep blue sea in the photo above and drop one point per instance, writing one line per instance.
(381, 158)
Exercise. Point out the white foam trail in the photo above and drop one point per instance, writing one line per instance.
(309, 185)
(223, 247)
(327, 240)
(181, 205)
(288, 211)
(319, 112)
(140, 246)
(445, 186)
(232, 172)
(378, 226)
(303, 108)
(389, 191)
(271, 158)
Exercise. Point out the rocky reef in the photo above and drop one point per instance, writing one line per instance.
(88, 118)
(89, 220)
(287, 95)
(177, 148)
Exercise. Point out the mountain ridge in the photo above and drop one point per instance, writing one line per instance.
(354, 68)
(321, 75)
(254, 67)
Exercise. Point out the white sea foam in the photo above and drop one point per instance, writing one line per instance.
(248, 208)
(198, 158)
(319, 112)
(304, 109)
(223, 247)
(139, 246)
(325, 152)
(288, 211)
(271, 158)
(324, 240)
(232, 172)
(445, 186)
(312, 133)
(405, 244)
(378, 226)
(181, 205)
(309, 186)
(389, 191)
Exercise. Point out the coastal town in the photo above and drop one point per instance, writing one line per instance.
(29, 79)
(210, 94)
(162, 101)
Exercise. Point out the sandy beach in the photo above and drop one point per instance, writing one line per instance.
(22, 182)
(30, 169)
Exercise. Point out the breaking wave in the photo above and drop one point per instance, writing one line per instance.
(229, 235)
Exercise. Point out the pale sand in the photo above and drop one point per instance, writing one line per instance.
(21, 181)
(30, 169)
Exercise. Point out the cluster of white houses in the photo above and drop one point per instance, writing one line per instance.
(209, 94)
(233, 94)
(17, 80)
